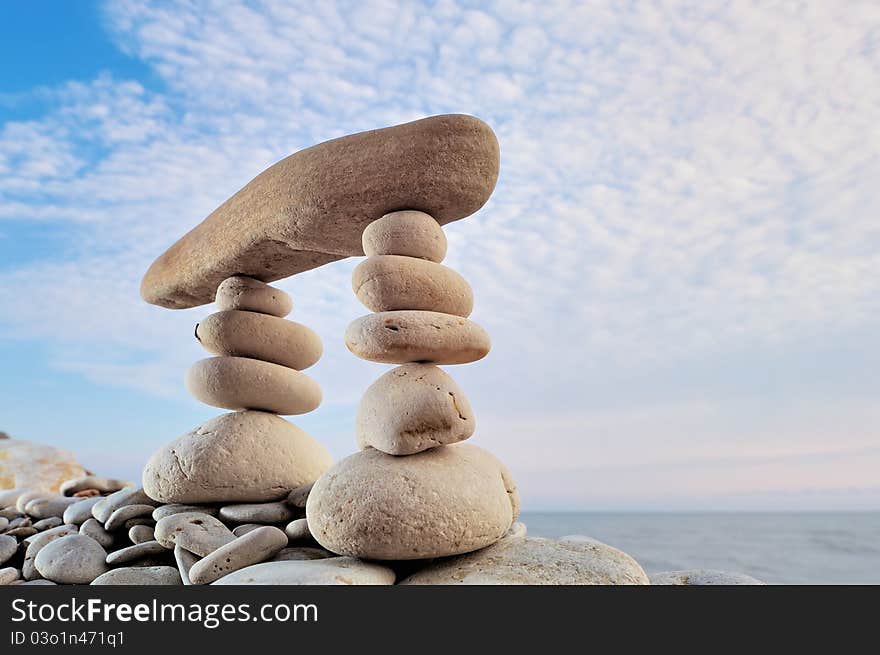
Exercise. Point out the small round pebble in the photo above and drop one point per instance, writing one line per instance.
(72, 559)
(46, 524)
(80, 512)
(135, 552)
(141, 533)
(119, 516)
(248, 294)
(176, 508)
(277, 512)
(299, 496)
(298, 530)
(410, 233)
(8, 575)
(94, 530)
(200, 534)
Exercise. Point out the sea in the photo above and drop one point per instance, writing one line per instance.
(789, 548)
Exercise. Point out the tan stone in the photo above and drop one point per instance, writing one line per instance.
(140, 575)
(248, 294)
(536, 561)
(390, 282)
(329, 571)
(260, 336)
(240, 383)
(200, 534)
(71, 559)
(35, 468)
(252, 548)
(312, 207)
(439, 502)
(277, 512)
(402, 337)
(412, 408)
(238, 457)
(409, 233)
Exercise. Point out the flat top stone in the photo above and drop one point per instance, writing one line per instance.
(311, 208)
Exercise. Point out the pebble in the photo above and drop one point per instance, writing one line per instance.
(8, 575)
(536, 561)
(406, 336)
(141, 520)
(237, 457)
(390, 282)
(140, 575)
(252, 548)
(94, 530)
(200, 534)
(409, 233)
(87, 493)
(185, 561)
(312, 208)
(10, 513)
(4, 523)
(436, 503)
(247, 294)
(80, 512)
(258, 336)
(277, 512)
(127, 496)
(45, 524)
(244, 529)
(21, 533)
(331, 571)
(298, 530)
(120, 516)
(135, 552)
(301, 553)
(8, 548)
(72, 559)
(141, 533)
(20, 522)
(36, 543)
(176, 508)
(25, 498)
(89, 482)
(240, 383)
(700, 577)
(412, 408)
(299, 496)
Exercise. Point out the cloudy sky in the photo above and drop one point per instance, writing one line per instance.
(679, 268)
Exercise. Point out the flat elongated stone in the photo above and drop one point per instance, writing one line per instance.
(45, 524)
(401, 337)
(200, 534)
(8, 547)
(252, 548)
(139, 534)
(120, 516)
(176, 508)
(330, 571)
(312, 207)
(185, 561)
(386, 283)
(140, 575)
(298, 530)
(412, 408)
(94, 530)
(36, 543)
(301, 553)
(250, 295)
(127, 496)
(80, 512)
(260, 336)
(240, 383)
(238, 457)
(409, 233)
(8, 575)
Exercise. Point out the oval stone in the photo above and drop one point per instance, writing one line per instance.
(406, 336)
(536, 561)
(119, 516)
(277, 512)
(250, 295)
(239, 457)
(45, 507)
(408, 233)
(439, 502)
(254, 547)
(80, 512)
(138, 534)
(135, 552)
(412, 408)
(94, 530)
(258, 336)
(200, 534)
(390, 282)
(8, 548)
(72, 559)
(330, 571)
(127, 496)
(185, 561)
(175, 508)
(301, 552)
(140, 575)
(240, 383)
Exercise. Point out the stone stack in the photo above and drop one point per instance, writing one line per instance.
(250, 455)
(414, 491)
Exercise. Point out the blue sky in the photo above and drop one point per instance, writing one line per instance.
(679, 267)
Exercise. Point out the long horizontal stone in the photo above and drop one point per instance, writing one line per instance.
(311, 208)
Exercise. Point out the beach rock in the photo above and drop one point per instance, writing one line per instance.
(122, 498)
(139, 520)
(120, 516)
(240, 383)
(46, 524)
(200, 534)
(301, 553)
(10, 513)
(518, 529)
(185, 561)
(331, 571)
(298, 530)
(35, 583)
(408, 233)
(298, 497)
(247, 294)
(72, 559)
(32, 467)
(241, 530)
(140, 575)
(439, 502)
(48, 506)
(699, 577)
(258, 336)
(139, 534)
(252, 548)
(312, 207)
(135, 552)
(536, 561)
(4, 523)
(277, 512)
(93, 529)
(8, 575)
(176, 508)
(36, 543)
(408, 336)
(90, 482)
(391, 282)
(81, 511)
(21, 533)
(24, 498)
(8, 548)
(238, 457)
(412, 408)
